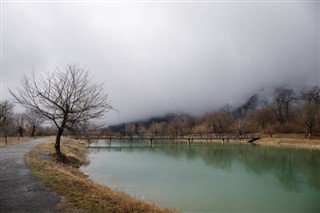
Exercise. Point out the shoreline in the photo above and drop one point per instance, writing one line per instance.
(81, 194)
(277, 141)
(78, 192)
(303, 143)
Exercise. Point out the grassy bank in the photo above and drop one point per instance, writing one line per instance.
(292, 140)
(288, 140)
(79, 193)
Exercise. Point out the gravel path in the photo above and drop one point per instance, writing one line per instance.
(20, 191)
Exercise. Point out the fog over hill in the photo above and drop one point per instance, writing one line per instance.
(261, 99)
(253, 103)
(156, 58)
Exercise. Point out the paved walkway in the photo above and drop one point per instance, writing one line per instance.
(20, 191)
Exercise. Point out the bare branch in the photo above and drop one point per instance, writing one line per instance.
(67, 98)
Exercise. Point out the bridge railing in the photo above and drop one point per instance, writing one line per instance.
(154, 137)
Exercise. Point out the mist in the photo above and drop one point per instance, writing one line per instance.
(156, 58)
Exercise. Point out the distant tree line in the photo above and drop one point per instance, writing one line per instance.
(28, 123)
(288, 111)
(32, 124)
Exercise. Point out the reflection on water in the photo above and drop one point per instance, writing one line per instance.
(275, 171)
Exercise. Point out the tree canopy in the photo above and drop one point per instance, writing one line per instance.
(65, 97)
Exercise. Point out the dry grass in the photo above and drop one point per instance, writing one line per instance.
(80, 193)
(295, 140)
(292, 140)
(14, 140)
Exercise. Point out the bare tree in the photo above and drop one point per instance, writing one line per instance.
(200, 129)
(6, 113)
(158, 129)
(227, 109)
(34, 119)
(212, 123)
(311, 108)
(163, 128)
(154, 128)
(130, 129)
(309, 116)
(265, 117)
(190, 122)
(175, 127)
(20, 123)
(64, 97)
(219, 122)
(141, 129)
(282, 104)
(311, 95)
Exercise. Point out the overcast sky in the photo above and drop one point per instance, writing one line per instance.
(160, 57)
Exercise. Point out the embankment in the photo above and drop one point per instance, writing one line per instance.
(79, 193)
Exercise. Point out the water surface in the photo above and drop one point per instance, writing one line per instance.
(211, 177)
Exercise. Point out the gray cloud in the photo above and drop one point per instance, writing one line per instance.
(156, 58)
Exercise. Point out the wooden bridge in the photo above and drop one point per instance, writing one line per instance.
(152, 138)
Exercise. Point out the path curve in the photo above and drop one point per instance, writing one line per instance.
(20, 191)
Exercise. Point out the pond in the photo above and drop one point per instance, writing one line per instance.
(210, 177)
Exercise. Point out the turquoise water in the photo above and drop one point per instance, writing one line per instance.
(211, 177)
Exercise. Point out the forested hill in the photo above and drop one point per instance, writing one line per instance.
(250, 105)
(120, 128)
(283, 111)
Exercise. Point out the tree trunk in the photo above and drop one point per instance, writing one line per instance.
(57, 144)
(33, 130)
(21, 130)
(60, 131)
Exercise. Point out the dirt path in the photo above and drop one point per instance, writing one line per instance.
(20, 191)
